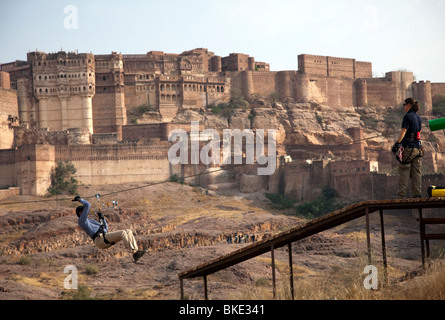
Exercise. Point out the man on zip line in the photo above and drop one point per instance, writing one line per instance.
(98, 230)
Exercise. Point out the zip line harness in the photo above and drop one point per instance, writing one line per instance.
(399, 150)
(102, 225)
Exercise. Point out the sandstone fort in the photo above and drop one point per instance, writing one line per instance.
(111, 116)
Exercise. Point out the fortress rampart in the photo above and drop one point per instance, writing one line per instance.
(74, 90)
(74, 106)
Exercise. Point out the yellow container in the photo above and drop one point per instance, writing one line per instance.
(435, 191)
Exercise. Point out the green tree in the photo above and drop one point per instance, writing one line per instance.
(279, 201)
(324, 204)
(62, 179)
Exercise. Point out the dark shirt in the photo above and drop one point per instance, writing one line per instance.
(413, 124)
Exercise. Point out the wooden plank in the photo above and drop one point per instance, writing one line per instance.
(435, 236)
(310, 228)
(433, 220)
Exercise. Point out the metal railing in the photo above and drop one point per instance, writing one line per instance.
(315, 226)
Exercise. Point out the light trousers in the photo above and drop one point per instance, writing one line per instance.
(122, 235)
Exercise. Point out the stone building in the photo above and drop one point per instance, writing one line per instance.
(82, 90)
(75, 106)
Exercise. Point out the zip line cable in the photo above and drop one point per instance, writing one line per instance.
(111, 193)
(191, 176)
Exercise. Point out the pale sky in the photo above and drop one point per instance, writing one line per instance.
(392, 34)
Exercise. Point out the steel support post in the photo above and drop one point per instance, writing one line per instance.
(291, 271)
(206, 297)
(274, 287)
(422, 237)
(385, 264)
(368, 234)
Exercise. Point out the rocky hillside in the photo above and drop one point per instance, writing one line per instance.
(47, 238)
(306, 124)
(182, 227)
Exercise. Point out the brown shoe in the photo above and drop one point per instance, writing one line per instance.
(138, 254)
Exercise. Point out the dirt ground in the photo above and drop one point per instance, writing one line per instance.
(181, 227)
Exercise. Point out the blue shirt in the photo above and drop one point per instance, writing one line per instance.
(413, 124)
(90, 226)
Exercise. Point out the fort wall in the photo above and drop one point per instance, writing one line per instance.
(301, 180)
(332, 91)
(437, 89)
(106, 116)
(63, 84)
(7, 168)
(113, 164)
(9, 111)
(304, 180)
(381, 92)
(108, 105)
(142, 131)
(29, 167)
(334, 67)
(67, 101)
(33, 167)
(422, 93)
(5, 81)
(140, 95)
(66, 90)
